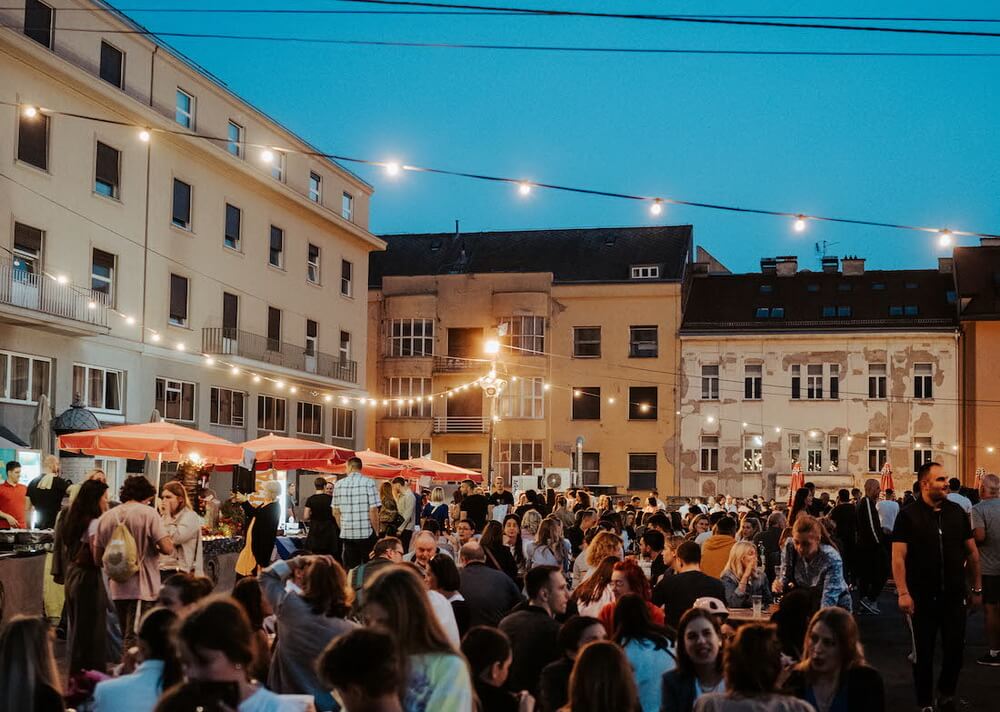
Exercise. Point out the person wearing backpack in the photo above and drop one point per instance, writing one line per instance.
(128, 543)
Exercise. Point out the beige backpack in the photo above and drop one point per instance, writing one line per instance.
(121, 556)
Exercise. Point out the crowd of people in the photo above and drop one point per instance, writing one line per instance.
(548, 601)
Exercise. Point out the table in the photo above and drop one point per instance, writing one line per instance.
(745, 615)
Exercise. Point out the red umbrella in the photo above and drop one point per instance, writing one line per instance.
(443, 472)
(166, 440)
(886, 482)
(281, 453)
(797, 481)
(375, 464)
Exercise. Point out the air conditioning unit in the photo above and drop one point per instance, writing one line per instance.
(523, 483)
(558, 478)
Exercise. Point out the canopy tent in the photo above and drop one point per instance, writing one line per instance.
(375, 464)
(170, 442)
(283, 453)
(442, 471)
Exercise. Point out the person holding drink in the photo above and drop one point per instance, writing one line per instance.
(745, 582)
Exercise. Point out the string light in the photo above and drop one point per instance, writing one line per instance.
(267, 156)
(990, 449)
(392, 168)
(800, 223)
(256, 378)
(279, 384)
(611, 401)
(328, 398)
(577, 394)
(643, 407)
(235, 370)
(155, 338)
(293, 389)
(209, 361)
(657, 207)
(30, 111)
(524, 188)
(710, 419)
(181, 346)
(144, 136)
(945, 238)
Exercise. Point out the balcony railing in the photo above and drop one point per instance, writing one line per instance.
(234, 342)
(461, 424)
(452, 364)
(30, 290)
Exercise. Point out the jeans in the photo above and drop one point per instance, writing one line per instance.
(946, 615)
(130, 612)
(356, 551)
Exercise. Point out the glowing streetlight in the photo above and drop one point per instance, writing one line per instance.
(491, 347)
(945, 238)
(800, 224)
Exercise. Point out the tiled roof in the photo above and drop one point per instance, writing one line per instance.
(820, 302)
(977, 276)
(575, 255)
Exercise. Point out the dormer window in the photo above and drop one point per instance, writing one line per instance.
(645, 271)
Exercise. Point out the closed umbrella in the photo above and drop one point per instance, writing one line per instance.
(41, 432)
(797, 481)
(444, 472)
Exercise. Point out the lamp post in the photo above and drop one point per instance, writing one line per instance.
(492, 385)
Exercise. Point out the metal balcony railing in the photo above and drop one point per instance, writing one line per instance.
(30, 290)
(461, 424)
(452, 364)
(234, 342)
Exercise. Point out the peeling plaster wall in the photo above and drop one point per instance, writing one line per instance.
(853, 417)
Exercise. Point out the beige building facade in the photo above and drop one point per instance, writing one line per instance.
(144, 266)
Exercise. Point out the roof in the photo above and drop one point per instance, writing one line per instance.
(895, 300)
(572, 255)
(977, 279)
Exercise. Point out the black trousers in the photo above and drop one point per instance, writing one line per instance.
(356, 551)
(404, 537)
(871, 566)
(931, 617)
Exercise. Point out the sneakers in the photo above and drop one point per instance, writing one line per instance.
(991, 660)
(869, 607)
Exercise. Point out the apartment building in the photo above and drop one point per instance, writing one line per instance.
(586, 322)
(841, 370)
(219, 280)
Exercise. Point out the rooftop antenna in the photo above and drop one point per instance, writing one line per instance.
(821, 248)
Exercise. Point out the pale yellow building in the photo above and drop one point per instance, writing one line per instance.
(587, 321)
(131, 248)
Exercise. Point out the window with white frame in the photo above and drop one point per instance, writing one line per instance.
(923, 381)
(814, 451)
(753, 380)
(184, 109)
(407, 448)
(174, 399)
(645, 271)
(642, 470)
(315, 187)
(523, 398)
(519, 457)
(345, 346)
(923, 452)
(98, 388)
(878, 454)
(276, 248)
(312, 264)
(347, 206)
(524, 334)
(411, 337)
(643, 342)
(227, 407)
(309, 418)
(834, 381)
(346, 278)
(102, 275)
(833, 448)
(343, 423)
(876, 381)
(278, 165)
(312, 337)
(709, 453)
(814, 381)
(586, 342)
(794, 447)
(23, 378)
(753, 453)
(234, 134)
(272, 414)
(406, 397)
(710, 382)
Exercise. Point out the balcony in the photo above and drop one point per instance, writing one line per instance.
(458, 364)
(461, 424)
(34, 299)
(234, 342)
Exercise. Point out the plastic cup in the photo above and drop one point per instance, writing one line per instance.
(757, 603)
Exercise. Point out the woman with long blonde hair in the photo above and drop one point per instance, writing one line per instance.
(743, 577)
(29, 679)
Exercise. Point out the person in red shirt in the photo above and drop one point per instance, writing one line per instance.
(13, 499)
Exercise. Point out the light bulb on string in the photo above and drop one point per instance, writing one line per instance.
(656, 208)
(144, 136)
(209, 361)
(344, 400)
(267, 156)
(777, 428)
(279, 384)
(62, 279)
(524, 188)
(945, 238)
(92, 304)
(154, 337)
(328, 398)
(293, 389)
(611, 401)
(256, 378)
(800, 223)
(392, 168)
(180, 346)
(235, 370)
(130, 320)
(710, 419)
(30, 111)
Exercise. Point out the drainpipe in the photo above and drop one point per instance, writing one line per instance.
(579, 461)
(145, 236)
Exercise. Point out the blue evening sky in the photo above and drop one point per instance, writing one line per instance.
(908, 140)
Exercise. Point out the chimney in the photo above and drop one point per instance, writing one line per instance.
(831, 265)
(853, 265)
(946, 265)
(768, 265)
(989, 241)
(787, 265)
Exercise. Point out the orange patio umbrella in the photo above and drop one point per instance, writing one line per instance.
(444, 472)
(886, 482)
(282, 453)
(796, 481)
(375, 464)
(168, 441)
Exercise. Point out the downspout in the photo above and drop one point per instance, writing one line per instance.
(145, 236)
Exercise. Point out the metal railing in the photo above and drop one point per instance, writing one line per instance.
(234, 342)
(461, 424)
(30, 290)
(451, 364)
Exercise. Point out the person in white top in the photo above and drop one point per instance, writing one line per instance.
(957, 497)
(183, 526)
(888, 508)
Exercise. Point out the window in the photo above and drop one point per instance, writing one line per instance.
(794, 447)
(923, 381)
(709, 453)
(315, 187)
(642, 342)
(33, 140)
(772, 312)
(23, 378)
(234, 227)
(309, 418)
(753, 453)
(910, 310)
(951, 296)
(877, 454)
(312, 337)
(343, 425)
(876, 380)
(230, 315)
(777, 312)
(27, 252)
(178, 300)
(923, 452)
(642, 402)
(833, 447)
(273, 329)
(276, 248)
(39, 21)
(523, 398)
(762, 312)
(766, 288)
(181, 214)
(812, 287)
(642, 470)
(829, 312)
(645, 272)
(590, 470)
(524, 333)
(586, 341)
(227, 407)
(106, 179)
(345, 346)
(796, 382)
(278, 166)
(102, 274)
(346, 278)
(843, 312)
(411, 337)
(184, 109)
(519, 457)
(710, 382)
(112, 65)
(235, 134)
(587, 403)
(814, 451)
(844, 287)
(312, 264)
(271, 412)
(175, 399)
(347, 206)
(895, 311)
(753, 378)
(406, 448)
(834, 381)
(404, 394)
(814, 381)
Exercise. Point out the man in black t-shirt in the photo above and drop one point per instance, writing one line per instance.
(678, 593)
(501, 495)
(473, 507)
